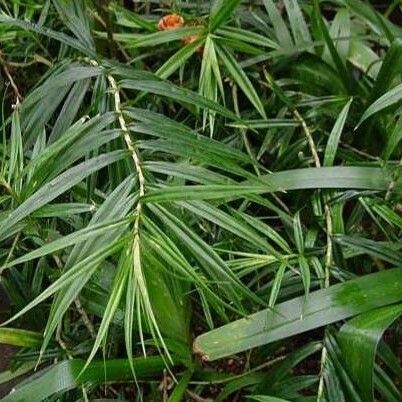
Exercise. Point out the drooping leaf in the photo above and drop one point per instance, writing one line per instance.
(391, 97)
(299, 315)
(334, 137)
(300, 31)
(241, 79)
(281, 31)
(221, 11)
(359, 338)
(57, 186)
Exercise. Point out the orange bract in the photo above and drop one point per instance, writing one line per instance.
(192, 38)
(170, 21)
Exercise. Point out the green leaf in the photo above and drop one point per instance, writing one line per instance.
(336, 366)
(339, 64)
(70, 240)
(329, 177)
(322, 307)
(389, 69)
(158, 38)
(298, 233)
(88, 264)
(186, 171)
(207, 192)
(268, 231)
(334, 389)
(364, 58)
(220, 12)
(178, 139)
(305, 273)
(334, 137)
(374, 19)
(376, 249)
(116, 206)
(20, 337)
(9, 375)
(265, 398)
(228, 222)
(276, 285)
(206, 256)
(393, 139)
(118, 287)
(63, 209)
(300, 31)
(241, 79)
(179, 390)
(70, 108)
(79, 139)
(388, 99)
(298, 179)
(171, 256)
(73, 15)
(129, 19)
(177, 93)
(265, 123)
(281, 370)
(16, 158)
(168, 295)
(281, 30)
(240, 35)
(340, 32)
(68, 375)
(178, 59)
(358, 340)
(59, 36)
(58, 186)
(210, 80)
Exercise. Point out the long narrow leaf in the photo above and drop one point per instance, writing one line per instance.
(359, 338)
(221, 11)
(66, 375)
(57, 186)
(323, 307)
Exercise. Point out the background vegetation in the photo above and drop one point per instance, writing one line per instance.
(204, 207)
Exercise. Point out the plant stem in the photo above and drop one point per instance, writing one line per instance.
(309, 137)
(328, 255)
(132, 149)
(143, 299)
(84, 316)
(392, 184)
(17, 93)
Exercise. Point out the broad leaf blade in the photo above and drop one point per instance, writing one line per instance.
(322, 307)
(65, 376)
(358, 339)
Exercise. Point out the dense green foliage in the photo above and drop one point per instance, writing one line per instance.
(209, 212)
